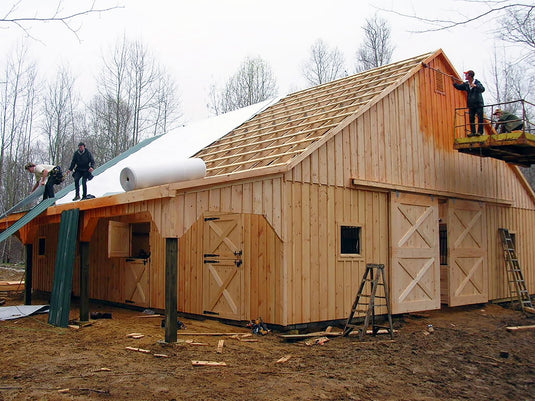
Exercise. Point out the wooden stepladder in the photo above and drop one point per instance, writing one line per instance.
(374, 276)
(515, 277)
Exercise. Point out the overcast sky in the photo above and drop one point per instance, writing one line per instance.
(201, 42)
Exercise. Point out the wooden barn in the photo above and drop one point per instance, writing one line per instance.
(300, 197)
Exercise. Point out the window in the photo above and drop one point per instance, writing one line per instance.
(41, 246)
(350, 240)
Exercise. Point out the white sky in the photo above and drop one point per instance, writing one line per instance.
(201, 42)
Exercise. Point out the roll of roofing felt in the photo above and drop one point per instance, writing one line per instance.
(158, 173)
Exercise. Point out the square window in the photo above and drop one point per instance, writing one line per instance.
(350, 240)
(41, 250)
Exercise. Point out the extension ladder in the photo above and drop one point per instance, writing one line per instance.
(515, 277)
(375, 277)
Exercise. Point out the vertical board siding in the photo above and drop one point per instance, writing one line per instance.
(324, 284)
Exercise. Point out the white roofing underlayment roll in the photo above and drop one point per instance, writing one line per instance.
(145, 176)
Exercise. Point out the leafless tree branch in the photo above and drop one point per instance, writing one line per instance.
(56, 16)
(496, 7)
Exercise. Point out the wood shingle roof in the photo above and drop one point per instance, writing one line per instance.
(289, 128)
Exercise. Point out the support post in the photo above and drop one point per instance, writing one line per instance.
(84, 281)
(171, 269)
(28, 275)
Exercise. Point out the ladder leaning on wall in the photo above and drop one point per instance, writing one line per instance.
(515, 277)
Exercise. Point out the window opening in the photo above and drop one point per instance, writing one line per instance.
(41, 246)
(350, 240)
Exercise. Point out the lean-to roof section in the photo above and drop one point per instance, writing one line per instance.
(299, 123)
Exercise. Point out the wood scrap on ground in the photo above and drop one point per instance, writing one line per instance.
(149, 316)
(144, 351)
(311, 335)
(208, 363)
(521, 328)
(220, 344)
(191, 342)
(285, 358)
(316, 341)
(135, 335)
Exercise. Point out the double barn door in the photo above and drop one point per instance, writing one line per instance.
(415, 272)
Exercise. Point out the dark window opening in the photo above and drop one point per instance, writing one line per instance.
(350, 240)
(41, 246)
(443, 240)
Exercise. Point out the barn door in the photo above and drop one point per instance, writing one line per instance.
(415, 273)
(137, 281)
(468, 281)
(223, 278)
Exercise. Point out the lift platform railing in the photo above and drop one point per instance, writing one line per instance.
(521, 108)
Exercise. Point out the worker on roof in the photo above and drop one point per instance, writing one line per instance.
(83, 164)
(474, 101)
(47, 175)
(507, 122)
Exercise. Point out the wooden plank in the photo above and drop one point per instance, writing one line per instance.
(521, 328)
(208, 363)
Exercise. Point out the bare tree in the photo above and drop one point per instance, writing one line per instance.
(518, 26)
(14, 14)
(377, 48)
(18, 93)
(254, 82)
(136, 98)
(166, 111)
(324, 64)
(480, 10)
(17, 103)
(59, 109)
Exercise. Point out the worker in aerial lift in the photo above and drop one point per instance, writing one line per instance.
(507, 122)
(47, 175)
(474, 101)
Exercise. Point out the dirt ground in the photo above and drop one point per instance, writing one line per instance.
(469, 356)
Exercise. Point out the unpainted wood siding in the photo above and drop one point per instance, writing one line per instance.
(322, 283)
(520, 222)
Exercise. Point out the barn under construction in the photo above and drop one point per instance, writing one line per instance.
(298, 198)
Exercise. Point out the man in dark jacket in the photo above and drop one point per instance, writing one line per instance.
(83, 164)
(474, 101)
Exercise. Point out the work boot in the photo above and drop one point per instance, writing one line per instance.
(76, 198)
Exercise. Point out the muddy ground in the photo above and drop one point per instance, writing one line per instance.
(469, 356)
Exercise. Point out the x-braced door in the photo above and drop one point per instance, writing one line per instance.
(223, 278)
(468, 276)
(415, 273)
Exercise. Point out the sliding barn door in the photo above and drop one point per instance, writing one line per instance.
(223, 277)
(415, 273)
(468, 276)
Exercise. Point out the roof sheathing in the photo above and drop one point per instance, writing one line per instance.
(287, 130)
